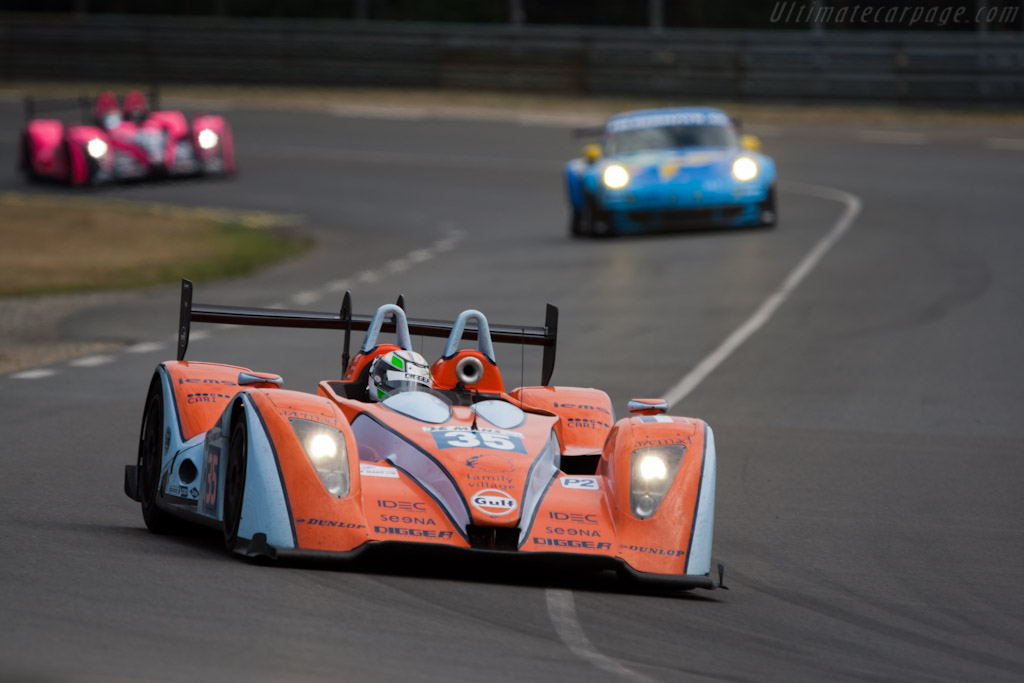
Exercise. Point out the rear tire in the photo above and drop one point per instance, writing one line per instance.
(234, 482)
(151, 446)
(25, 164)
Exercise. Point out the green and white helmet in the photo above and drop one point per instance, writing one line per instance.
(397, 371)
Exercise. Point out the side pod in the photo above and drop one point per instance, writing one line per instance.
(661, 473)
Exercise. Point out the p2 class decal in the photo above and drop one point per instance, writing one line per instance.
(509, 442)
(369, 470)
(584, 483)
(493, 502)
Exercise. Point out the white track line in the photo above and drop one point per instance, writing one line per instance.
(562, 611)
(38, 373)
(373, 275)
(307, 297)
(767, 309)
(560, 602)
(145, 347)
(91, 361)
(338, 286)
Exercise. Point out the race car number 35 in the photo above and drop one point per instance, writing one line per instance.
(497, 441)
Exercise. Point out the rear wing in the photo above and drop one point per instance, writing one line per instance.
(52, 105)
(83, 104)
(347, 321)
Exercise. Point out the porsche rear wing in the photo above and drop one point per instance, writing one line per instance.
(347, 321)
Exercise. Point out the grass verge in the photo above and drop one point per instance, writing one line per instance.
(61, 244)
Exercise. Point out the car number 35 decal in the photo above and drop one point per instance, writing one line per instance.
(496, 441)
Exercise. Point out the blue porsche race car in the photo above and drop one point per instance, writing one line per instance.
(667, 169)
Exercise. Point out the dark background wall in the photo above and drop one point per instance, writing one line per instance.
(917, 67)
(747, 14)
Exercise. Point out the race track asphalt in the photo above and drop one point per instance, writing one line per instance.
(870, 435)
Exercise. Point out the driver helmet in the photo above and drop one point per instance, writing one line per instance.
(108, 114)
(397, 371)
(135, 106)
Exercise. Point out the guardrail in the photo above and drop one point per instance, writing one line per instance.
(923, 67)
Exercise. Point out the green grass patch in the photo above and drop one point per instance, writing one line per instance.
(59, 244)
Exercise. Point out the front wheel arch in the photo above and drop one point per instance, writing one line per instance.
(150, 462)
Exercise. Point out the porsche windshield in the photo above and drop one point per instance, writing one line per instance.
(670, 137)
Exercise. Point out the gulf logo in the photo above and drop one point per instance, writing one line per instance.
(493, 502)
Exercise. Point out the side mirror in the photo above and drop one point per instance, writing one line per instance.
(591, 153)
(647, 406)
(750, 142)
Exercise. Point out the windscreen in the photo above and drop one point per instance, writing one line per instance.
(670, 137)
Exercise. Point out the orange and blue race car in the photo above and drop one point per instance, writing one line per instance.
(403, 455)
(668, 169)
(116, 142)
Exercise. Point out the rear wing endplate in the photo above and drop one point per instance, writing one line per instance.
(347, 321)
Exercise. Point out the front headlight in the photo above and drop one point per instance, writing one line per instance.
(615, 176)
(325, 448)
(651, 475)
(744, 168)
(208, 139)
(96, 148)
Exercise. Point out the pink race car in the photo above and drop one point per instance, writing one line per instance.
(125, 143)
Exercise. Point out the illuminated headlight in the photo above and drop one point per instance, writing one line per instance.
(653, 468)
(744, 169)
(322, 446)
(615, 176)
(652, 472)
(325, 448)
(96, 148)
(208, 139)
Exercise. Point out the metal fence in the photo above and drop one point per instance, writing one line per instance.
(930, 67)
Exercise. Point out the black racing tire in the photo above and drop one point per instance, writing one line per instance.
(25, 164)
(575, 222)
(594, 222)
(234, 481)
(769, 212)
(151, 446)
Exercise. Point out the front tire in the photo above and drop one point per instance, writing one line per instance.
(575, 222)
(593, 221)
(234, 482)
(769, 215)
(150, 461)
